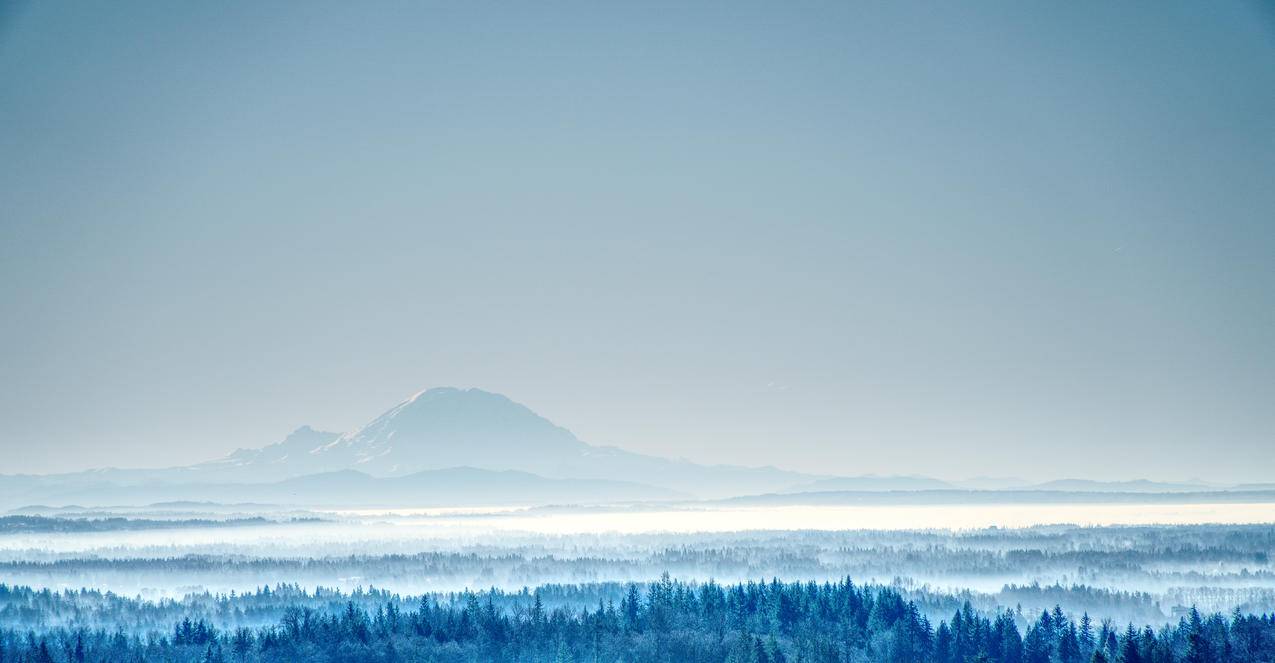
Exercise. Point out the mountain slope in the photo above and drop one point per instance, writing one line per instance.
(1134, 486)
(871, 483)
(294, 456)
(458, 486)
(447, 427)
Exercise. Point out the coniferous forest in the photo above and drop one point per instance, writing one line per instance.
(109, 591)
(762, 622)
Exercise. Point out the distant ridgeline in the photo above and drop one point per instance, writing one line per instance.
(663, 621)
(43, 524)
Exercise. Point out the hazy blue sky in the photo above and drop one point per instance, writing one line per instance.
(951, 239)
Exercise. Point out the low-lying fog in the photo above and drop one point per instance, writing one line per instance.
(1138, 559)
(416, 530)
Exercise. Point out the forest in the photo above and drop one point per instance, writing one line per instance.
(478, 587)
(1140, 574)
(18, 524)
(667, 620)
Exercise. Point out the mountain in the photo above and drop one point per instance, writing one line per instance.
(1254, 486)
(991, 483)
(463, 486)
(873, 483)
(447, 427)
(1135, 486)
(518, 453)
(457, 486)
(292, 457)
(1007, 497)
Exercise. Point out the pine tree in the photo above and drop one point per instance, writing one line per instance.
(212, 654)
(1198, 650)
(1069, 646)
(537, 611)
(761, 656)
(1130, 653)
(629, 606)
(1087, 642)
(43, 655)
(943, 644)
(1036, 647)
(564, 654)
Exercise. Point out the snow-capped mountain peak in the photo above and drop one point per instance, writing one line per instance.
(446, 427)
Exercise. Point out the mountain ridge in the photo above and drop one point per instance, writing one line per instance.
(448, 428)
(451, 427)
(458, 486)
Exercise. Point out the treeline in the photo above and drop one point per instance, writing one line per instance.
(46, 524)
(671, 621)
(1214, 567)
(43, 608)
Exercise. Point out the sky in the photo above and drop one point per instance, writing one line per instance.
(950, 239)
